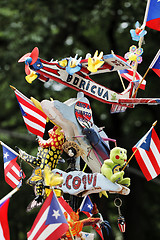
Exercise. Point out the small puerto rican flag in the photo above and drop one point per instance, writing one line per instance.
(121, 224)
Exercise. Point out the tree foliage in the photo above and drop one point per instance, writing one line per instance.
(63, 28)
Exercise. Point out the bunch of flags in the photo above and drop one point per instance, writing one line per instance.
(50, 222)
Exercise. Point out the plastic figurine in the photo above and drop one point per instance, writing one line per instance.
(74, 65)
(134, 55)
(97, 142)
(95, 62)
(137, 33)
(73, 151)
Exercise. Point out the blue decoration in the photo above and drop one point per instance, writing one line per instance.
(137, 33)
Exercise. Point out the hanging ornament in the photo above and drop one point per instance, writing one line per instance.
(134, 55)
(121, 219)
(137, 33)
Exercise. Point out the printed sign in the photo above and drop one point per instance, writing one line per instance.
(79, 82)
(82, 184)
(83, 114)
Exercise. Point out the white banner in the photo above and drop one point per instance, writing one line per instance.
(82, 184)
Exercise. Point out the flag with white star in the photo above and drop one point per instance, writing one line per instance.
(50, 222)
(12, 171)
(86, 205)
(148, 154)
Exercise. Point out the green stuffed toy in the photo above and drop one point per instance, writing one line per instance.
(111, 168)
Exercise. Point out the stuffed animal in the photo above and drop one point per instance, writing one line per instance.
(111, 168)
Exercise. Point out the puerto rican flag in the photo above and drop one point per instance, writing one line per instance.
(153, 18)
(50, 222)
(34, 118)
(4, 226)
(86, 207)
(147, 154)
(155, 64)
(128, 75)
(12, 171)
(65, 207)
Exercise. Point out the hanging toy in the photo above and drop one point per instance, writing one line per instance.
(121, 219)
(95, 62)
(137, 33)
(134, 55)
(73, 151)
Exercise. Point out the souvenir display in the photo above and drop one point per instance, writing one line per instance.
(91, 166)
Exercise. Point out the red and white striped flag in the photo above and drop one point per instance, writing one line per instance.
(128, 75)
(148, 154)
(65, 207)
(12, 171)
(50, 222)
(4, 226)
(34, 118)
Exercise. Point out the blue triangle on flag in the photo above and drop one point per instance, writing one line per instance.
(55, 214)
(146, 142)
(87, 205)
(22, 111)
(8, 155)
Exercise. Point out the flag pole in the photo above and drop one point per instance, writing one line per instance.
(14, 152)
(10, 194)
(119, 74)
(153, 125)
(70, 232)
(146, 14)
(140, 44)
(140, 82)
(150, 66)
(13, 88)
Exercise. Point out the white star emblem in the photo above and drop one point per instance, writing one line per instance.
(56, 213)
(145, 140)
(89, 206)
(6, 155)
